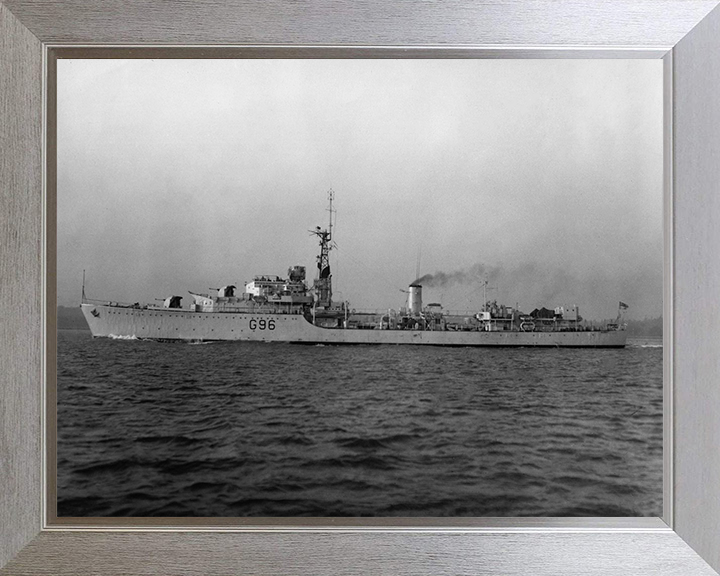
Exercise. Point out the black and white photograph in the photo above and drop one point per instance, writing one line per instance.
(359, 288)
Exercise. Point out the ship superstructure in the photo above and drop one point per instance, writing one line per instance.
(276, 309)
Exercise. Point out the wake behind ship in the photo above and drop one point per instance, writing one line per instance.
(275, 309)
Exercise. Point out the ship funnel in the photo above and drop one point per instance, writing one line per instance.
(415, 299)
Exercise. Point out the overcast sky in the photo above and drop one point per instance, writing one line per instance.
(543, 175)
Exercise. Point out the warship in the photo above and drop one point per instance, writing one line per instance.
(277, 309)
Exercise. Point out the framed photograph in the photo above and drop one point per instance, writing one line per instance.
(420, 357)
(651, 83)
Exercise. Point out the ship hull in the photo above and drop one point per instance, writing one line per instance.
(184, 325)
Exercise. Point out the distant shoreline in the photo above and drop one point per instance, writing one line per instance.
(71, 319)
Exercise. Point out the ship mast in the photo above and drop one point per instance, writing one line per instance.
(486, 287)
(331, 210)
(323, 284)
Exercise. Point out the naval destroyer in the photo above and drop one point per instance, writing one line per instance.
(276, 309)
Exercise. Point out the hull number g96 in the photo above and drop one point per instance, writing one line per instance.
(261, 324)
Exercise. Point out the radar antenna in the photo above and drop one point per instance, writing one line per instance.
(323, 284)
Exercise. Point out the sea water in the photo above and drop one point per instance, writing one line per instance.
(255, 429)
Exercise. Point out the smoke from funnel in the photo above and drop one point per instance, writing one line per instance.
(474, 275)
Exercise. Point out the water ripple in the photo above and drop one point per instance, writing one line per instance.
(149, 429)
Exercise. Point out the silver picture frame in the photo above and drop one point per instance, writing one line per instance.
(686, 540)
